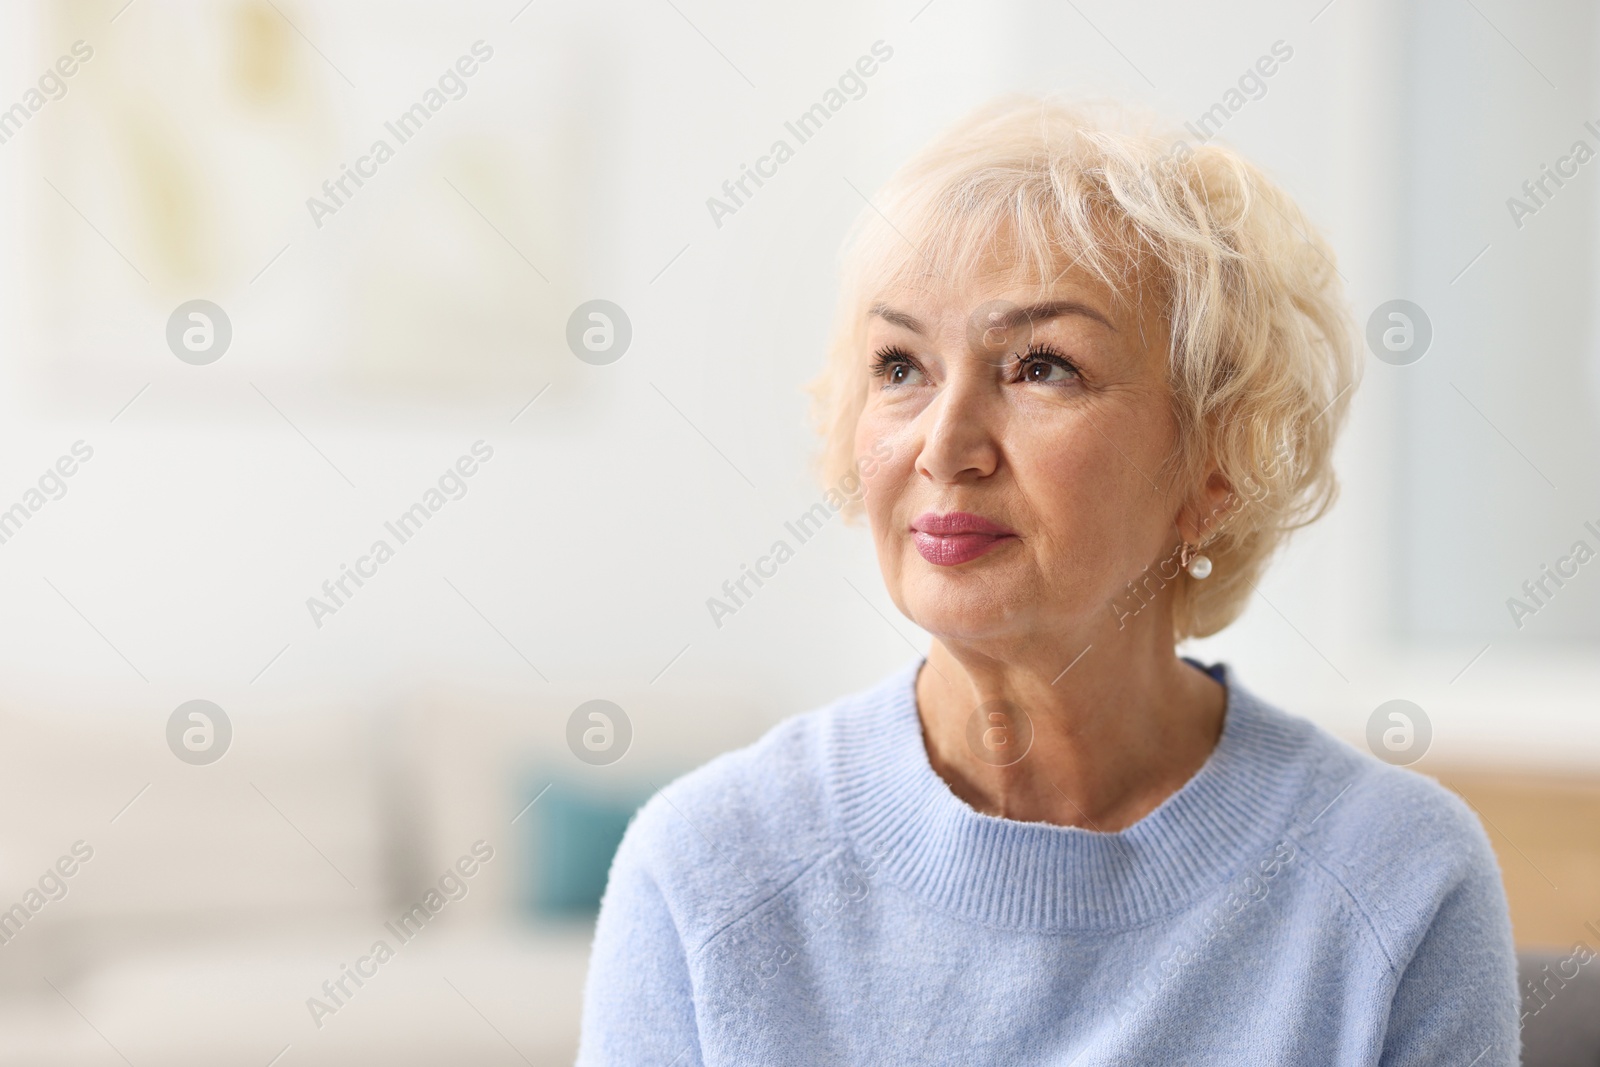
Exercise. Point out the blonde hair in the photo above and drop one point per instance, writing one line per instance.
(1262, 354)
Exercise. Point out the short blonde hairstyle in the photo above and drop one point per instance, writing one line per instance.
(1261, 350)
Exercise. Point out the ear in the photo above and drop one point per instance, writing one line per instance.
(1200, 518)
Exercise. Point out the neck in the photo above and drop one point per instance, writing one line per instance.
(1098, 745)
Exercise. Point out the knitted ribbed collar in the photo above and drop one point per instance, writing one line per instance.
(1039, 876)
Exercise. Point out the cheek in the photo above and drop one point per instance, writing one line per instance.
(1071, 503)
(866, 434)
(882, 486)
(1089, 494)
(1056, 454)
(880, 461)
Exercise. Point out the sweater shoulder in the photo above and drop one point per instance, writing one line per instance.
(1395, 841)
(725, 837)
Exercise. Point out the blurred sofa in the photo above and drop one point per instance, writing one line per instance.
(1561, 1009)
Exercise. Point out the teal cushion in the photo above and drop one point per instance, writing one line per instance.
(575, 830)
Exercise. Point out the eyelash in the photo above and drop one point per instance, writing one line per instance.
(888, 358)
(894, 356)
(1046, 354)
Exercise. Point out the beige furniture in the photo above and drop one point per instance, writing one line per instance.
(1545, 828)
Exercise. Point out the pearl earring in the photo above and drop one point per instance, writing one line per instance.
(1198, 566)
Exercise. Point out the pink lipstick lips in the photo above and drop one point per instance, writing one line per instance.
(956, 537)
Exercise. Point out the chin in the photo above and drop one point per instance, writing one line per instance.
(958, 604)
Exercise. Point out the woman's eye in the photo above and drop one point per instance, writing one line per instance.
(1044, 368)
(895, 368)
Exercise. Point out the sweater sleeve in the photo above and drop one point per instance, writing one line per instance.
(1457, 1001)
(638, 1002)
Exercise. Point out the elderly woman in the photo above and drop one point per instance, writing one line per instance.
(1085, 380)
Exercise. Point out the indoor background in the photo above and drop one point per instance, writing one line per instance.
(181, 497)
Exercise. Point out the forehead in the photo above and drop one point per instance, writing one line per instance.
(1000, 293)
(956, 258)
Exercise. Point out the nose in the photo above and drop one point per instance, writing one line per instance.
(960, 433)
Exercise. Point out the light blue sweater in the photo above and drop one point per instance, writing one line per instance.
(821, 897)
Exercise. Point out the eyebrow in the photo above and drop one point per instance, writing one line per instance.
(898, 318)
(1050, 309)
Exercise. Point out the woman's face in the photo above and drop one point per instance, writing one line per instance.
(1025, 436)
